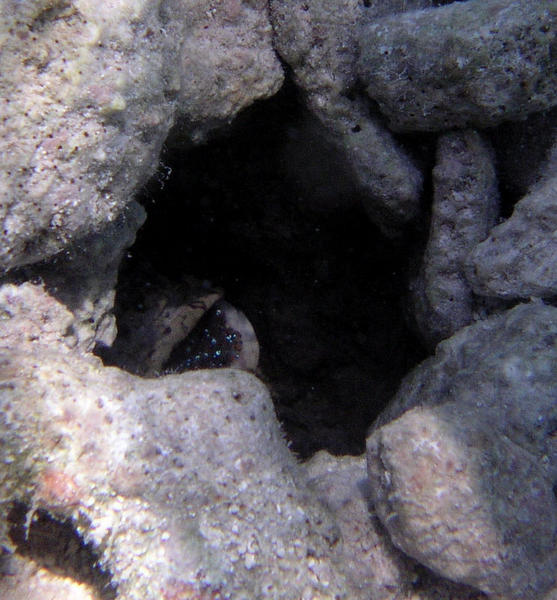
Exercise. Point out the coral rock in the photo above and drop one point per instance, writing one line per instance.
(465, 207)
(319, 42)
(519, 257)
(463, 463)
(90, 92)
(182, 483)
(468, 64)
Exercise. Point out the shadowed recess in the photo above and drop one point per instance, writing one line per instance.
(268, 212)
(57, 546)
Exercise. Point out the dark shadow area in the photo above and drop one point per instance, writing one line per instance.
(426, 580)
(269, 213)
(522, 149)
(56, 546)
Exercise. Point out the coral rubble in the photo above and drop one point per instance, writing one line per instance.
(424, 137)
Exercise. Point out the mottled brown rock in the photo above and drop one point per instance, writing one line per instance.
(319, 42)
(182, 485)
(519, 257)
(467, 64)
(225, 62)
(375, 566)
(465, 207)
(84, 114)
(463, 463)
(90, 92)
(83, 277)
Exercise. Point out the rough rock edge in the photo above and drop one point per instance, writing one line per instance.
(444, 440)
(101, 91)
(369, 557)
(519, 257)
(319, 43)
(465, 207)
(202, 495)
(469, 64)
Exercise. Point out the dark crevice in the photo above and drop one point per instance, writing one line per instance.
(55, 545)
(268, 212)
(522, 150)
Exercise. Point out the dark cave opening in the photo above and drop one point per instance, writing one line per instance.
(267, 211)
(56, 546)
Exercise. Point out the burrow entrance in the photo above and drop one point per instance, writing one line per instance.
(268, 213)
(43, 541)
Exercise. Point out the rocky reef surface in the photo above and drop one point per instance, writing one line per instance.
(370, 186)
(90, 92)
(465, 207)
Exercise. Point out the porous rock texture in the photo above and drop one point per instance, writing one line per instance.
(183, 485)
(465, 207)
(378, 568)
(382, 8)
(519, 257)
(89, 93)
(318, 40)
(26, 580)
(80, 80)
(226, 60)
(468, 64)
(463, 463)
(84, 275)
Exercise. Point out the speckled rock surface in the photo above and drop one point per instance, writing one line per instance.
(184, 485)
(80, 80)
(226, 60)
(519, 257)
(84, 276)
(27, 581)
(463, 463)
(318, 40)
(28, 314)
(378, 569)
(465, 207)
(468, 64)
(382, 8)
(372, 560)
(90, 92)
